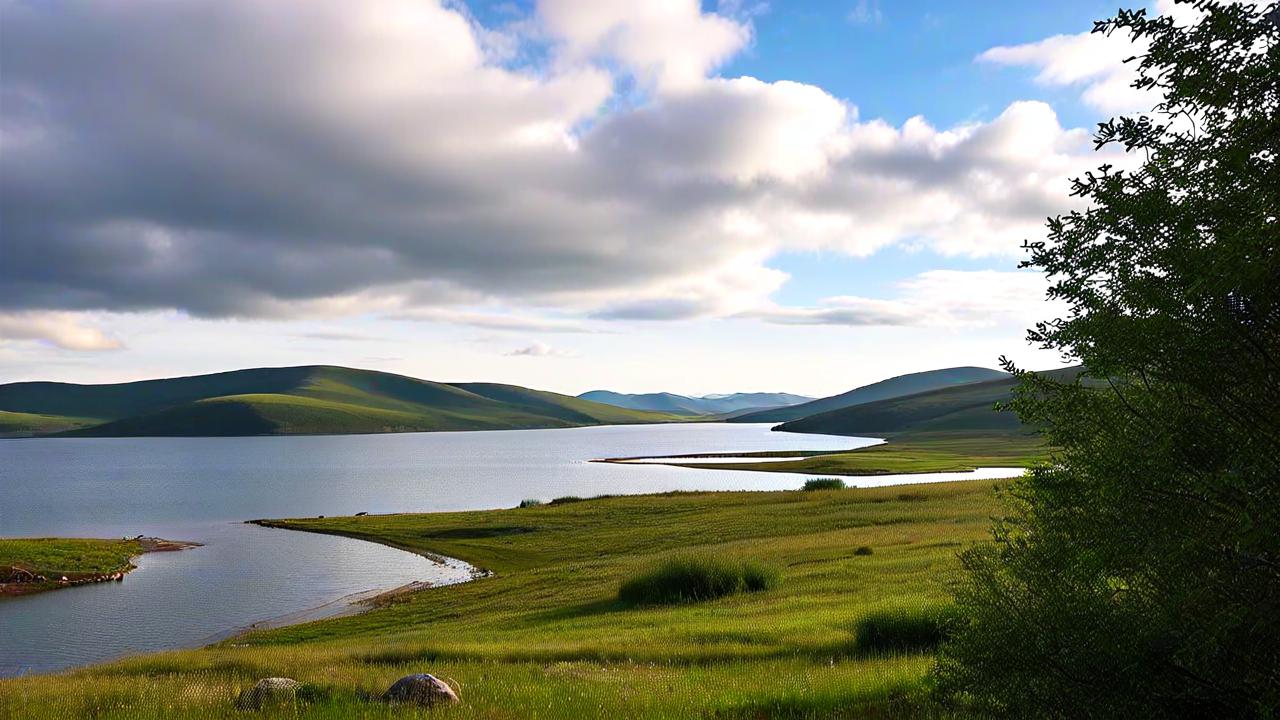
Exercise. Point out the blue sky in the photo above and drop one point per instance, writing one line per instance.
(732, 196)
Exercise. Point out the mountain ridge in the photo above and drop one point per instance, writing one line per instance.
(706, 405)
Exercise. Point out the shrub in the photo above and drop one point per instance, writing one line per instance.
(905, 629)
(863, 550)
(567, 499)
(824, 484)
(530, 502)
(695, 578)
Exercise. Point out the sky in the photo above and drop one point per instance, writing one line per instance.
(571, 195)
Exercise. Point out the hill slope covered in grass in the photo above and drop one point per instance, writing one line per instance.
(892, 387)
(685, 405)
(966, 408)
(316, 399)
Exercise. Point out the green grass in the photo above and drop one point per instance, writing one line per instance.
(73, 557)
(905, 629)
(547, 637)
(904, 453)
(696, 578)
(295, 400)
(20, 424)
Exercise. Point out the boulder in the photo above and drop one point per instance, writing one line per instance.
(422, 689)
(268, 692)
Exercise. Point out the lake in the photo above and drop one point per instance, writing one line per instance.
(202, 489)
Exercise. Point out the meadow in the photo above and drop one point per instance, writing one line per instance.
(547, 636)
(905, 453)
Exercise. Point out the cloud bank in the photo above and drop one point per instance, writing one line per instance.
(234, 158)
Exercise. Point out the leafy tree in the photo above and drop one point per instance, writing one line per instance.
(1138, 573)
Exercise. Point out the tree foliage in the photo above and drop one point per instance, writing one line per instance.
(1138, 573)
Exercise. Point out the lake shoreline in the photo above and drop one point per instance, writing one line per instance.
(38, 583)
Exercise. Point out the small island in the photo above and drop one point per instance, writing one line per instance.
(31, 565)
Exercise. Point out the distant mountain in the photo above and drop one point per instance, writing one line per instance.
(968, 407)
(293, 400)
(893, 387)
(685, 405)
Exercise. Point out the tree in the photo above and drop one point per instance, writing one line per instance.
(1137, 574)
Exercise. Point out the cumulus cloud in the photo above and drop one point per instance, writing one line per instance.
(1093, 62)
(937, 298)
(537, 349)
(669, 42)
(320, 158)
(58, 329)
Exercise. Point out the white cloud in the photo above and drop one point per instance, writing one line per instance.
(937, 298)
(537, 349)
(62, 330)
(866, 12)
(329, 158)
(1093, 62)
(669, 42)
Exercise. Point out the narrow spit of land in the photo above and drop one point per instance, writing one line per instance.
(901, 454)
(32, 565)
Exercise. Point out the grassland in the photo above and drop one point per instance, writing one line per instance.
(293, 400)
(22, 424)
(904, 453)
(55, 558)
(547, 637)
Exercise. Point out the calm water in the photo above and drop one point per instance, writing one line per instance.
(201, 489)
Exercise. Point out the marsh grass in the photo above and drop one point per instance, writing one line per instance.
(905, 629)
(695, 578)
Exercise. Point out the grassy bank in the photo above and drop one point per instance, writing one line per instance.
(904, 453)
(56, 558)
(547, 636)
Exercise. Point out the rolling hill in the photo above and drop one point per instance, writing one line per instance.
(685, 405)
(964, 408)
(891, 388)
(293, 400)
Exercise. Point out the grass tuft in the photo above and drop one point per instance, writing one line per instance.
(863, 550)
(694, 578)
(824, 484)
(899, 630)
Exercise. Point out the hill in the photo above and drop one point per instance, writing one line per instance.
(965, 408)
(293, 400)
(685, 405)
(893, 387)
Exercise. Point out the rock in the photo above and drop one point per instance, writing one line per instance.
(267, 692)
(422, 689)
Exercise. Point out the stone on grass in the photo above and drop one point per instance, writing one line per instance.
(422, 689)
(267, 692)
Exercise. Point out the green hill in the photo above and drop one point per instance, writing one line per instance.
(893, 387)
(963, 408)
(293, 400)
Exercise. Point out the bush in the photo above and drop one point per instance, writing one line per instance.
(824, 484)
(863, 550)
(905, 629)
(530, 502)
(696, 578)
(567, 499)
